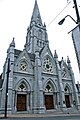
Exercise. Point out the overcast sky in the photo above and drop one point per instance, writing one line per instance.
(15, 16)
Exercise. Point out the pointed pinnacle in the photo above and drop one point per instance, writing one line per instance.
(68, 60)
(36, 14)
(55, 55)
(13, 42)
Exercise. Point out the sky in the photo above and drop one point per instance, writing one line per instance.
(15, 16)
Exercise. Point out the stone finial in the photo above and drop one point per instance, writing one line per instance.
(68, 60)
(12, 43)
(62, 58)
(44, 25)
(55, 54)
(35, 0)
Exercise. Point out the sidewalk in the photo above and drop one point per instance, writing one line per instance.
(37, 115)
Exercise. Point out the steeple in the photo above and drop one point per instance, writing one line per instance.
(36, 33)
(36, 14)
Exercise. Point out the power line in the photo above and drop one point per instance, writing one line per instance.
(58, 14)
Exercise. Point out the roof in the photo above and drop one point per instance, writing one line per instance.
(32, 56)
(17, 52)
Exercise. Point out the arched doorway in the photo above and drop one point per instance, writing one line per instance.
(67, 97)
(49, 102)
(22, 97)
(49, 96)
(21, 102)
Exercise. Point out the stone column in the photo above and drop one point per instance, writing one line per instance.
(10, 53)
(30, 103)
(61, 91)
(60, 85)
(38, 91)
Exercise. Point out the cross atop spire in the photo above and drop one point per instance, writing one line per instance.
(36, 14)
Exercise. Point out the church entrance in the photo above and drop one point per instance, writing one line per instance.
(21, 102)
(67, 100)
(50, 98)
(49, 102)
(67, 97)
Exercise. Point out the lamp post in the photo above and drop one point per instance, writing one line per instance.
(77, 15)
(77, 12)
(75, 32)
(6, 98)
(62, 21)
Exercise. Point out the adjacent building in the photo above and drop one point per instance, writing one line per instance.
(76, 42)
(37, 82)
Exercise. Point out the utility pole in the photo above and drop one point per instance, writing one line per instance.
(77, 12)
(6, 98)
(75, 32)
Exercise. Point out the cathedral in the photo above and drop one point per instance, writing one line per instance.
(37, 81)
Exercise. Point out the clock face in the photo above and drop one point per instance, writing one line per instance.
(47, 65)
(23, 66)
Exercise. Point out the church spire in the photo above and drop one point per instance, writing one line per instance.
(36, 14)
(36, 33)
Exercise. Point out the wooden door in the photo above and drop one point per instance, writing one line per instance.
(67, 100)
(21, 102)
(49, 102)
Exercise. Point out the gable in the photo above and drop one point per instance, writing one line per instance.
(23, 62)
(47, 61)
(65, 71)
(45, 50)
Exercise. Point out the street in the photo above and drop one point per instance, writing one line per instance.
(73, 117)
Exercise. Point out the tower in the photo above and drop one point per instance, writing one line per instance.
(36, 32)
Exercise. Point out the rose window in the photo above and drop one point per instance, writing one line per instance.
(47, 65)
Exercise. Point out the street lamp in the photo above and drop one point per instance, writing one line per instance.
(77, 15)
(75, 32)
(62, 21)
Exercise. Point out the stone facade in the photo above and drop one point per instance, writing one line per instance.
(37, 82)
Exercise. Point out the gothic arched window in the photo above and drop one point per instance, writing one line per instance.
(23, 66)
(48, 88)
(22, 87)
(40, 34)
(64, 72)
